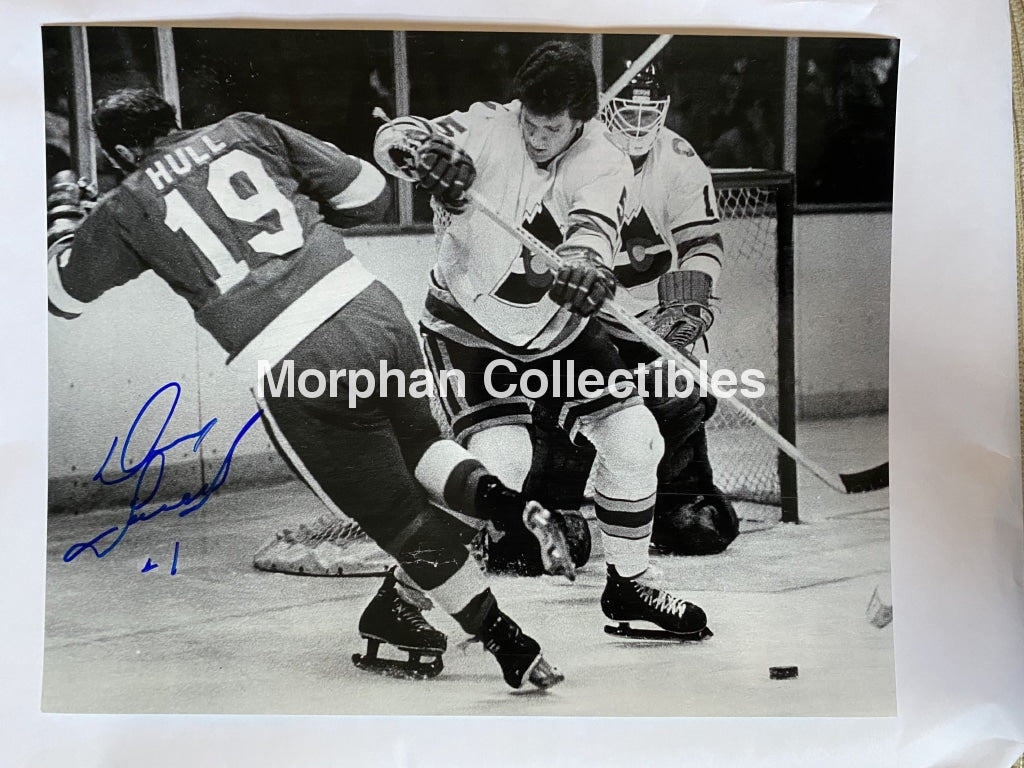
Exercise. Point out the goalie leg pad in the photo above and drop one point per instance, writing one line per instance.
(558, 475)
(330, 546)
(679, 420)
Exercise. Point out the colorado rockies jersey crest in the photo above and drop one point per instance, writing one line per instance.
(486, 287)
(671, 222)
(231, 216)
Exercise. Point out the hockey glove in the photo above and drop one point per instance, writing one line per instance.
(68, 201)
(396, 144)
(445, 171)
(584, 282)
(684, 313)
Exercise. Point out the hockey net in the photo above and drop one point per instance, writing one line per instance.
(753, 330)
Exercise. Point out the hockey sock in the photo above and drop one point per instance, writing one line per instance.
(629, 448)
(625, 532)
(410, 591)
(431, 548)
(450, 474)
(467, 489)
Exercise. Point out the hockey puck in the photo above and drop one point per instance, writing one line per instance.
(782, 673)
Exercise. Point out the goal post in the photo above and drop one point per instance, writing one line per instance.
(755, 330)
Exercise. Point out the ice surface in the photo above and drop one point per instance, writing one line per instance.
(222, 637)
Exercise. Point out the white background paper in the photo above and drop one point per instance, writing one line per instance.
(958, 548)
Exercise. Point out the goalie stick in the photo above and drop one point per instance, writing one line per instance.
(872, 479)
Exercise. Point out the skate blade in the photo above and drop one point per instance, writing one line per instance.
(543, 675)
(404, 670)
(554, 549)
(410, 649)
(624, 629)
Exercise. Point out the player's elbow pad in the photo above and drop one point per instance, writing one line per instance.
(59, 302)
(58, 312)
(364, 200)
(367, 213)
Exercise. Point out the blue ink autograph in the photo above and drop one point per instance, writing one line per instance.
(151, 566)
(153, 465)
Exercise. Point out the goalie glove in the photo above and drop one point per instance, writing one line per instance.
(583, 282)
(446, 171)
(68, 201)
(684, 313)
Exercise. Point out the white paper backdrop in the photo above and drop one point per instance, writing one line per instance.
(958, 548)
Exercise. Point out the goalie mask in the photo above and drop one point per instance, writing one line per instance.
(635, 116)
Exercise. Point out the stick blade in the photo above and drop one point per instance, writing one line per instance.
(874, 479)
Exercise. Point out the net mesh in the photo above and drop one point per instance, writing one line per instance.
(745, 336)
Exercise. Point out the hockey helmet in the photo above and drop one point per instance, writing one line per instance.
(637, 113)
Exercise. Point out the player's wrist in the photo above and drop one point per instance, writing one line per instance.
(445, 171)
(583, 282)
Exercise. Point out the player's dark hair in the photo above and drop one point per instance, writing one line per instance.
(556, 77)
(134, 117)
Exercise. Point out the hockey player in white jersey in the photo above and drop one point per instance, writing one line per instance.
(545, 162)
(667, 269)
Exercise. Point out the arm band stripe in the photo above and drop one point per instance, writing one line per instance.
(600, 216)
(690, 225)
(364, 189)
(58, 295)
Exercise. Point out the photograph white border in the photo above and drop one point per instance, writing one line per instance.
(957, 532)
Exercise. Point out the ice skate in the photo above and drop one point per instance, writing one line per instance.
(390, 619)
(505, 507)
(646, 612)
(517, 653)
(549, 530)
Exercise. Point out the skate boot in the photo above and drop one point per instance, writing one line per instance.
(517, 653)
(631, 601)
(391, 619)
(506, 508)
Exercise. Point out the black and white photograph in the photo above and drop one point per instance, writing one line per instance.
(437, 372)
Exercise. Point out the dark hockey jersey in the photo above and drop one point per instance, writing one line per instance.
(231, 216)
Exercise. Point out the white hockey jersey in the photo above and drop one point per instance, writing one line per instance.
(671, 222)
(486, 288)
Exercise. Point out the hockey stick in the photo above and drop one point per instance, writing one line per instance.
(634, 69)
(854, 482)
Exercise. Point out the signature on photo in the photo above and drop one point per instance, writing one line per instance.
(147, 473)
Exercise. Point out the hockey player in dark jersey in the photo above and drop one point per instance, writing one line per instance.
(241, 219)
